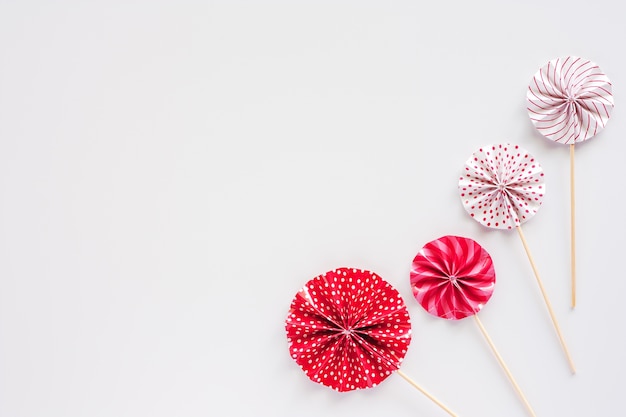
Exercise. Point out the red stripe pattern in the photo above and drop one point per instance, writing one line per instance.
(348, 329)
(501, 186)
(570, 100)
(452, 277)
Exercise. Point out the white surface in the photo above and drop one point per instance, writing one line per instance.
(171, 173)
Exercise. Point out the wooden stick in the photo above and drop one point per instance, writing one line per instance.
(545, 297)
(503, 365)
(423, 391)
(572, 189)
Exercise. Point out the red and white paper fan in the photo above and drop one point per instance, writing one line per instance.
(502, 186)
(453, 277)
(570, 100)
(349, 329)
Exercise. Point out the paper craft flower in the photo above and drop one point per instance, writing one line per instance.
(501, 186)
(452, 277)
(348, 329)
(569, 100)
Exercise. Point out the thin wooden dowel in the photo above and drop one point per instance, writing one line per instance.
(426, 393)
(503, 365)
(572, 193)
(547, 301)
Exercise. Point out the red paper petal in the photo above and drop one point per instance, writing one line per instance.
(452, 277)
(569, 100)
(501, 186)
(348, 329)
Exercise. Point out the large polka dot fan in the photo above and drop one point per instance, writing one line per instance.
(569, 101)
(349, 329)
(502, 187)
(453, 277)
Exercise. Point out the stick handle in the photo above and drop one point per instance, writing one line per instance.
(547, 301)
(503, 365)
(426, 393)
(572, 194)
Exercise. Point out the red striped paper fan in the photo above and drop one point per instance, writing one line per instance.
(570, 100)
(452, 277)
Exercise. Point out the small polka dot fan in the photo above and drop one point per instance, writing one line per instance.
(453, 277)
(349, 329)
(502, 186)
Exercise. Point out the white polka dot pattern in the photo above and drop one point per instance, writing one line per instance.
(569, 100)
(452, 277)
(501, 186)
(348, 329)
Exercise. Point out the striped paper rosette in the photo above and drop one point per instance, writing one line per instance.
(570, 100)
(452, 277)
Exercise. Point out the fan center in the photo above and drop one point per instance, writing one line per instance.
(347, 332)
(452, 279)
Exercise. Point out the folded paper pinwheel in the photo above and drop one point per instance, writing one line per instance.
(350, 329)
(570, 100)
(501, 187)
(453, 277)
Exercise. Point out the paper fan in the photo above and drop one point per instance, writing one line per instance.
(349, 329)
(501, 187)
(453, 277)
(570, 100)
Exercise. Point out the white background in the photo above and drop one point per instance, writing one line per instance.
(171, 173)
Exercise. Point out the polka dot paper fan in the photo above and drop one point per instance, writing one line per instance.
(570, 100)
(502, 186)
(452, 277)
(348, 329)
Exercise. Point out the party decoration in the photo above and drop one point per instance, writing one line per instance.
(350, 329)
(453, 277)
(569, 101)
(502, 187)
